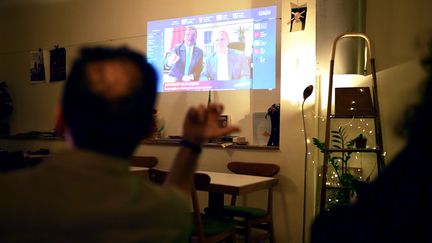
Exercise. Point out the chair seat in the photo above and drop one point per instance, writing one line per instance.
(247, 212)
(214, 224)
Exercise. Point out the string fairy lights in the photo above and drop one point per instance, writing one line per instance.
(358, 162)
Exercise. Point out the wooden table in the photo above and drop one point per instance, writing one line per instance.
(226, 183)
(140, 171)
(234, 184)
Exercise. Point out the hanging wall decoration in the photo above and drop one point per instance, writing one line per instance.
(37, 67)
(57, 64)
(298, 17)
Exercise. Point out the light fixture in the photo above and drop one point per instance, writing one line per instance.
(306, 93)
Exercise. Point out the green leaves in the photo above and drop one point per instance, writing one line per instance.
(346, 179)
(320, 145)
(338, 160)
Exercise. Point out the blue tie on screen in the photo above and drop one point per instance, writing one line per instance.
(186, 71)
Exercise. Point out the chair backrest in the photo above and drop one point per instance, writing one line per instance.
(144, 161)
(257, 169)
(254, 168)
(201, 182)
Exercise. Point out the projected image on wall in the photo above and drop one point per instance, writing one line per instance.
(220, 51)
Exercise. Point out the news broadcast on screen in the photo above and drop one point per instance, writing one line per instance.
(220, 51)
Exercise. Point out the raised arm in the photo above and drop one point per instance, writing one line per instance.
(199, 126)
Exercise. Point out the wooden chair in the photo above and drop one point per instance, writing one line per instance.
(144, 161)
(249, 218)
(207, 227)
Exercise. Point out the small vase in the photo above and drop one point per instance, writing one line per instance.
(360, 142)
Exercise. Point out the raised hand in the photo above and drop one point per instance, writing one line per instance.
(201, 124)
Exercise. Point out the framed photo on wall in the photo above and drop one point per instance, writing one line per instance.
(57, 64)
(261, 128)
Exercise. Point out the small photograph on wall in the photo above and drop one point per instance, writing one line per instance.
(298, 17)
(57, 64)
(37, 67)
(261, 128)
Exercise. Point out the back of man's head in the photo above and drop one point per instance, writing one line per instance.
(108, 100)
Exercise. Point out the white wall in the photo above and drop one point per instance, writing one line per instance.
(399, 43)
(70, 23)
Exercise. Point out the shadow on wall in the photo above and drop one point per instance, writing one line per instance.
(408, 77)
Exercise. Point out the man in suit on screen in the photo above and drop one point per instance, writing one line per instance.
(225, 63)
(186, 59)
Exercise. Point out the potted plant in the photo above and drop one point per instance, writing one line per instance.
(339, 162)
(360, 141)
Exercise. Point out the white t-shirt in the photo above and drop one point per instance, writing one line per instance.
(222, 67)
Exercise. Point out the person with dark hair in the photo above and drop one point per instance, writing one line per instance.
(397, 206)
(86, 193)
(186, 59)
(108, 102)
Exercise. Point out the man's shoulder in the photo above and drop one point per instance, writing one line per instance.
(198, 49)
(179, 46)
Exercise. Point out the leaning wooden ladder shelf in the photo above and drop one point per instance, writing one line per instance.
(331, 116)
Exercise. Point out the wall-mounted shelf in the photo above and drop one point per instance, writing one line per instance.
(176, 142)
(29, 137)
(163, 142)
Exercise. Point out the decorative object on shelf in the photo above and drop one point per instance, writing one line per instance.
(353, 101)
(360, 141)
(274, 113)
(159, 126)
(223, 121)
(6, 109)
(240, 140)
